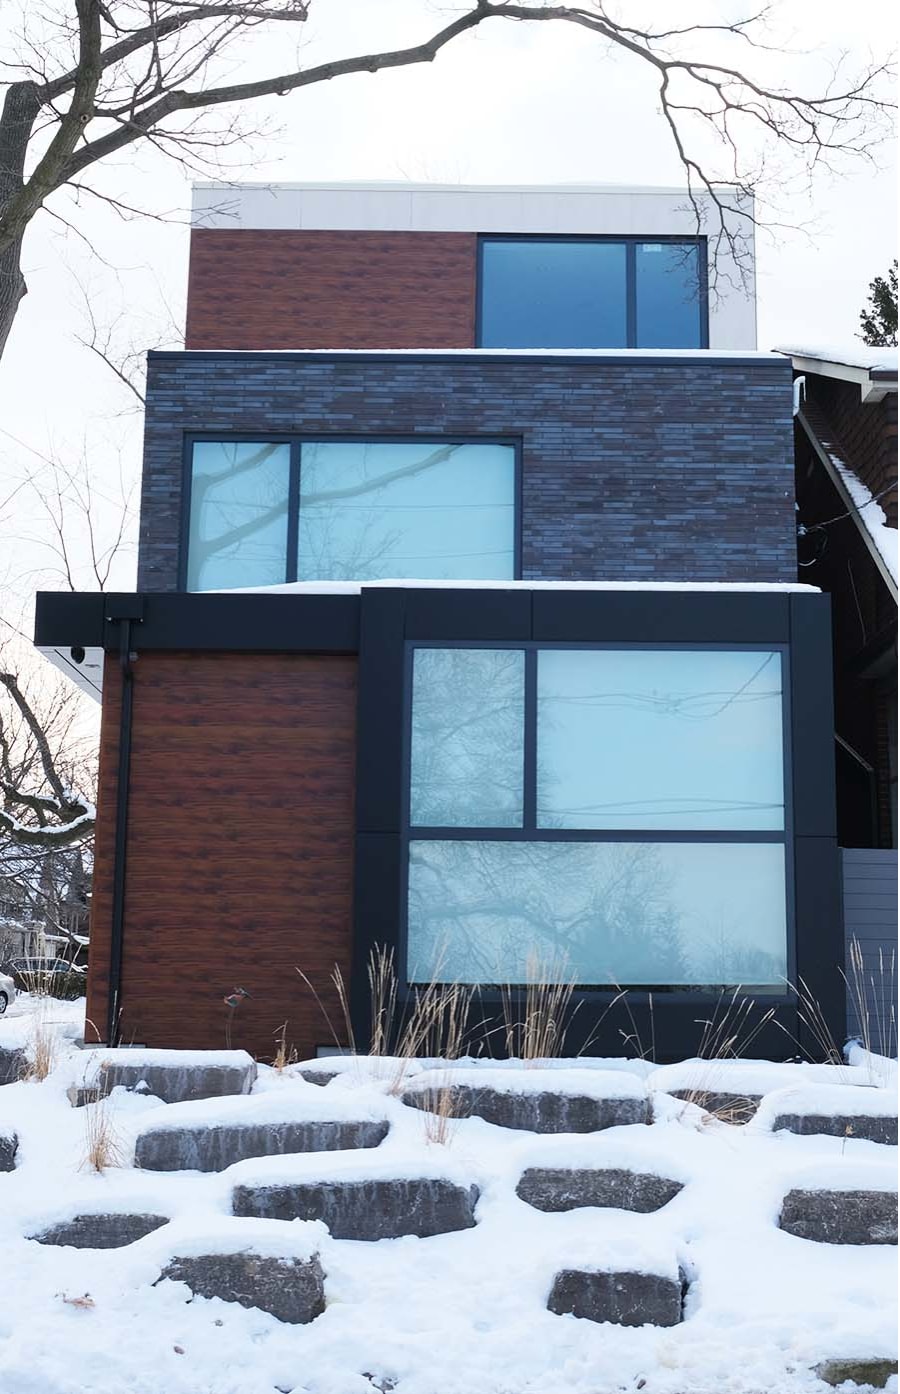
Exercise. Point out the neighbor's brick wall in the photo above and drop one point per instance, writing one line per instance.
(286, 289)
(631, 470)
(240, 848)
(867, 433)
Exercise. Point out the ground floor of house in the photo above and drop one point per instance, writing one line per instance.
(629, 790)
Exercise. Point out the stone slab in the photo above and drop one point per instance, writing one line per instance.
(174, 1082)
(369, 1210)
(215, 1148)
(9, 1146)
(552, 1189)
(735, 1108)
(101, 1231)
(537, 1112)
(841, 1217)
(873, 1372)
(293, 1290)
(12, 1064)
(626, 1299)
(856, 1125)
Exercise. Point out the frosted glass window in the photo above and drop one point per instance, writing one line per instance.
(669, 306)
(239, 513)
(660, 739)
(467, 751)
(666, 914)
(429, 509)
(543, 294)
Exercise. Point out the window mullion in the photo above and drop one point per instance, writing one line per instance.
(529, 777)
(631, 293)
(293, 520)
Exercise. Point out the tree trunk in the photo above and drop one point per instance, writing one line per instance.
(20, 109)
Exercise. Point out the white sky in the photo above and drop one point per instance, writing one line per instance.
(518, 104)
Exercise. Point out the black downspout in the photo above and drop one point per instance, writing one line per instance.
(123, 615)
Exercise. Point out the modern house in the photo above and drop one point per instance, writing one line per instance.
(467, 624)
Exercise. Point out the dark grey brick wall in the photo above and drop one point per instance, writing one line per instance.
(632, 469)
(870, 917)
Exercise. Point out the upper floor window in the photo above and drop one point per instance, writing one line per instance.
(261, 512)
(599, 292)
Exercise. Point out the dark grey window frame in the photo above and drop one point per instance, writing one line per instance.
(630, 242)
(295, 440)
(531, 832)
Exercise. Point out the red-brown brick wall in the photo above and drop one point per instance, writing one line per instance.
(286, 289)
(239, 851)
(867, 431)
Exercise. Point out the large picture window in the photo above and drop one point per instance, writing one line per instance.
(592, 292)
(350, 510)
(617, 814)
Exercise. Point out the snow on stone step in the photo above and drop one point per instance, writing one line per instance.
(730, 1085)
(212, 1134)
(171, 1075)
(832, 1110)
(535, 1100)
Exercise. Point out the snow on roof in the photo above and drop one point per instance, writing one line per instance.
(869, 510)
(847, 355)
(701, 355)
(356, 587)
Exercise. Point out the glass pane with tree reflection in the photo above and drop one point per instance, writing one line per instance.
(433, 510)
(467, 750)
(239, 511)
(627, 913)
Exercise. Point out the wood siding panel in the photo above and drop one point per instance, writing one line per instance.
(240, 848)
(289, 289)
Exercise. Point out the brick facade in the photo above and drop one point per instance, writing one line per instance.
(866, 432)
(286, 289)
(633, 468)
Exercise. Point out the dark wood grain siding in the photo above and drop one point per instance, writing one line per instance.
(240, 847)
(286, 289)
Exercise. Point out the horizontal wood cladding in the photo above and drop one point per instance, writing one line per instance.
(240, 848)
(289, 289)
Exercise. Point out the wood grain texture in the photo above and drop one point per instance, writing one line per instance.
(290, 289)
(239, 851)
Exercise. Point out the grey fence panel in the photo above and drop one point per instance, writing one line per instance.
(870, 918)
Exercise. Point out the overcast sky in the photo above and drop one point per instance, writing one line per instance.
(514, 104)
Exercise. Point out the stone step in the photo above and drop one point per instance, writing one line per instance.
(842, 1110)
(100, 1231)
(291, 1289)
(213, 1148)
(12, 1064)
(731, 1108)
(9, 1146)
(174, 1076)
(369, 1210)
(841, 1217)
(624, 1298)
(868, 1127)
(559, 1188)
(873, 1372)
(576, 1101)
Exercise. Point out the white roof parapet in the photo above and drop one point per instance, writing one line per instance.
(874, 369)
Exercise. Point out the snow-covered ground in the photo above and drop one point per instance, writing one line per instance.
(460, 1313)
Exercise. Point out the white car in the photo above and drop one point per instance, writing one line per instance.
(7, 992)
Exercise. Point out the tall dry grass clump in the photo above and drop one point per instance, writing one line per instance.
(872, 994)
(102, 1144)
(535, 1025)
(42, 1045)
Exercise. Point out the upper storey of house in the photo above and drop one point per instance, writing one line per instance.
(382, 266)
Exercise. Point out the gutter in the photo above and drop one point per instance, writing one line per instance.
(122, 611)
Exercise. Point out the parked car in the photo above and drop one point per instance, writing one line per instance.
(7, 992)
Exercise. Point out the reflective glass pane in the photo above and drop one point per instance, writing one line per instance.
(659, 739)
(553, 295)
(467, 738)
(239, 504)
(426, 509)
(668, 295)
(637, 913)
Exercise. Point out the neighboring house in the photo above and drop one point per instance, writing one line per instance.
(519, 677)
(846, 433)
